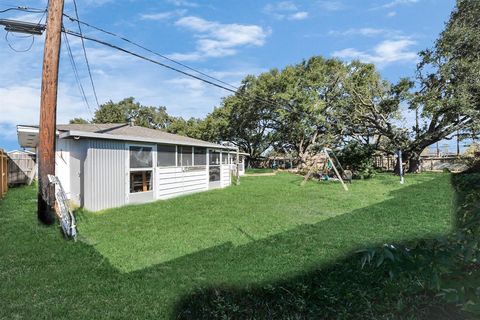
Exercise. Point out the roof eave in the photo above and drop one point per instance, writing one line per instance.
(94, 135)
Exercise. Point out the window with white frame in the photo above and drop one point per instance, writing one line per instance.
(141, 168)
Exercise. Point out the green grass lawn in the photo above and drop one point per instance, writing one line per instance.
(140, 261)
(258, 170)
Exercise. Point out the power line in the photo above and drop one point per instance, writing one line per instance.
(151, 51)
(23, 9)
(78, 80)
(82, 37)
(85, 54)
(147, 59)
(75, 71)
(76, 34)
(39, 23)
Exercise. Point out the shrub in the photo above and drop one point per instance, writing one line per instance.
(358, 158)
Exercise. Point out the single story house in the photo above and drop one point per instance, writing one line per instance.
(104, 166)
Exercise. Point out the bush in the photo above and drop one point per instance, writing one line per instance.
(358, 158)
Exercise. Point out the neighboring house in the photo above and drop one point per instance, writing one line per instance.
(109, 165)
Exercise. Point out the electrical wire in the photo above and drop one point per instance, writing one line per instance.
(23, 9)
(162, 56)
(75, 71)
(78, 80)
(151, 51)
(102, 42)
(17, 50)
(146, 59)
(24, 37)
(85, 54)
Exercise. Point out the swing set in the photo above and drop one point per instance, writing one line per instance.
(328, 165)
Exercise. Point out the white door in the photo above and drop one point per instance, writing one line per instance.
(214, 169)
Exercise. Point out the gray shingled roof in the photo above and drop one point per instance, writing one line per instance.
(123, 131)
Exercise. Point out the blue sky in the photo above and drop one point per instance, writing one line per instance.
(227, 39)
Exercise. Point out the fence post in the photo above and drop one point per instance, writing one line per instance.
(3, 173)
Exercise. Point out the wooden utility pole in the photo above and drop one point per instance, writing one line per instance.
(48, 111)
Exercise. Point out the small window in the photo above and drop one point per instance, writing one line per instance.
(166, 155)
(200, 156)
(140, 181)
(140, 157)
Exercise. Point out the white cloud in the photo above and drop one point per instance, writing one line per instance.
(301, 15)
(284, 6)
(160, 16)
(385, 53)
(396, 3)
(215, 39)
(183, 3)
(331, 5)
(366, 32)
(285, 10)
(391, 14)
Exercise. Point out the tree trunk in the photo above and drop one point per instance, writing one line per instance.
(414, 163)
(303, 157)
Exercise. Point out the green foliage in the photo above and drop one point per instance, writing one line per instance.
(448, 75)
(246, 119)
(358, 158)
(307, 94)
(79, 121)
(189, 128)
(122, 111)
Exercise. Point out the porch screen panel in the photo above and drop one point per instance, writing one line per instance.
(166, 155)
(200, 156)
(224, 158)
(187, 156)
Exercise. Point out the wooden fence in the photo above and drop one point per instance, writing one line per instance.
(3, 173)
(21, 167)
(453, 163)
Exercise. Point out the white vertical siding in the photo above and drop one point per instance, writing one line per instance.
(62, 164)
(105, 175)
(78, 153)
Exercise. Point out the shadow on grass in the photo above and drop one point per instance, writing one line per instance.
(344, 289)
(289, 275)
